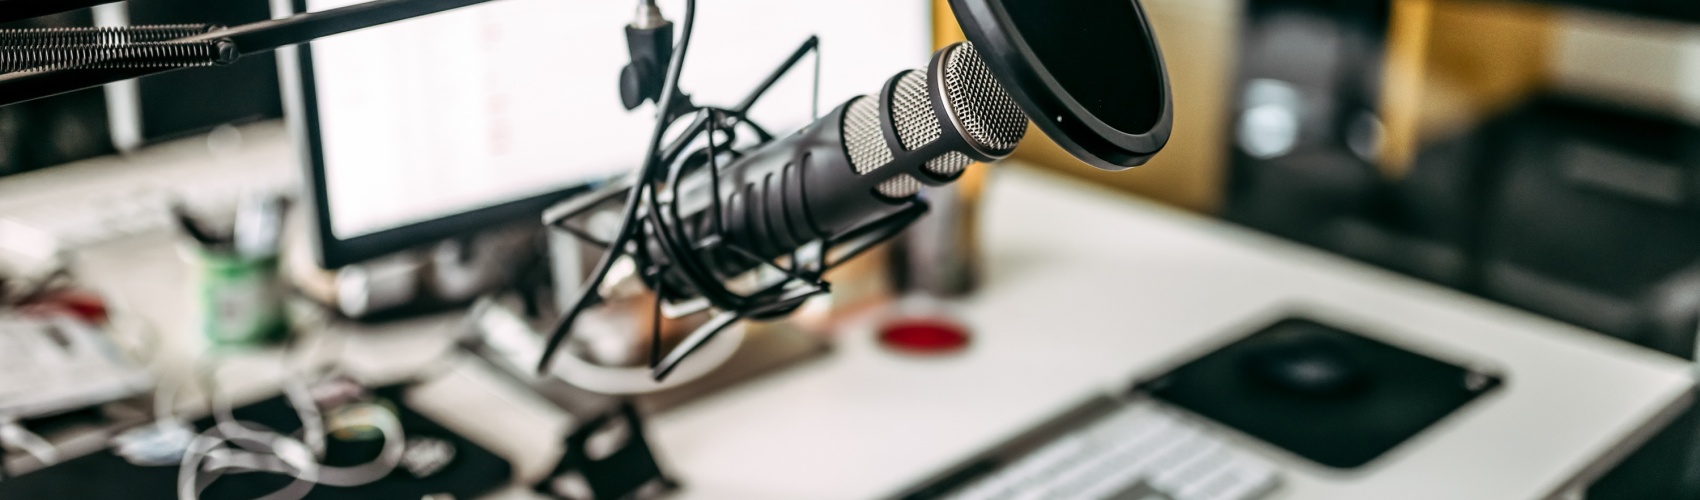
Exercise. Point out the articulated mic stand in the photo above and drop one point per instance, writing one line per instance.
(36, 63)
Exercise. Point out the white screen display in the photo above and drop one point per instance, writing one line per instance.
(475, 107)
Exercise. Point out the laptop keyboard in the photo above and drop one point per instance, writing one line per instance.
(1138, 452)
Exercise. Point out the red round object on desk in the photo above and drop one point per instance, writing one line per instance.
(924, 335)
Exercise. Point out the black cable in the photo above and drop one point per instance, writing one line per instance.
(714, 182)
(814, 99)
(588, 292)
(663, 228)
(673, 240)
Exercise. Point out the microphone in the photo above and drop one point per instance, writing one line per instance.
(751, 239)
(864, 162)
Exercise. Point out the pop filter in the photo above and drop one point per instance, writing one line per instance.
(1088, 72)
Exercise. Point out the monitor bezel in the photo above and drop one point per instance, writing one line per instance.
(301, 111)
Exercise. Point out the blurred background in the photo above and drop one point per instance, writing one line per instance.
(1540, 154)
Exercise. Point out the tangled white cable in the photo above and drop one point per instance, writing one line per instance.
(232, 446)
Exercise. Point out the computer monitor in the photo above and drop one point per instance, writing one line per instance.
(426, 129)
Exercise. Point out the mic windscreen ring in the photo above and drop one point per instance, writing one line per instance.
(980, 105)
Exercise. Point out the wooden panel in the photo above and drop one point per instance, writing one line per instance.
(1471, 59)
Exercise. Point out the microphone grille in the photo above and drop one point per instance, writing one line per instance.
(982, 106)
(912, 111)
(863, 139)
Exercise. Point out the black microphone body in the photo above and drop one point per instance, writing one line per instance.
(864, 161)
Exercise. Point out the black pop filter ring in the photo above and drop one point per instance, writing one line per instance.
(1051, 106)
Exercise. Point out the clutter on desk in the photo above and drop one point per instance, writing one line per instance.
(31, 262)
(371, 445)
(608, 357)
(239, 294)
(54, 360)
(450, 273)
(607, 457)
(605, 454)
(64, 363)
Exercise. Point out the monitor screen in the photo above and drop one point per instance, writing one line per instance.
(456, 112)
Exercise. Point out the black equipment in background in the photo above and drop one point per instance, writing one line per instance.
(79, 58)
(62, 129)
(166, 106)
(1304, 126)
(18, 10)
(1679, 10)
(1303, 162)
(630, 471)
(1586, 215)
(1592, 221)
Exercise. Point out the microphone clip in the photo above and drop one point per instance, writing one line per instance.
(649, 40)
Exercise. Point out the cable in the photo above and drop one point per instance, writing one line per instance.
(814, 100)
(235, 446)
(587, 293)
(653, 232)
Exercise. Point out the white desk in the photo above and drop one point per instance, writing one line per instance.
(1086, 290)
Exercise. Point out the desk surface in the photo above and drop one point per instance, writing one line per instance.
(1085, 291)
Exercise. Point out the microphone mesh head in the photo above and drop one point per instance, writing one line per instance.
(901, 186)
(917, 126)
(865, 143)
(949, 164)
(984, 109)
(912, 111)
(863, 139)
(978, 107)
